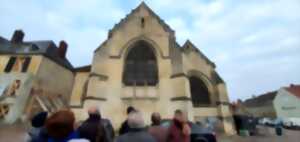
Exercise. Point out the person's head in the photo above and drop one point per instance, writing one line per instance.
(155, 118)
(39, 119)
(136, 120)
(60, 124)
(130, 109)
(94, 111)
(178, 115)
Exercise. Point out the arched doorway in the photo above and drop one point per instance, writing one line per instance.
(199, 92)
(140, 68)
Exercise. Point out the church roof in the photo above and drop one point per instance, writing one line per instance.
(294, 89)
(143, 5)
(216, 77)
(189, 46)
(41, 47)
(86, 68)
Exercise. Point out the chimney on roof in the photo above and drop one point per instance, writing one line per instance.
(62, 49)
(17, 36)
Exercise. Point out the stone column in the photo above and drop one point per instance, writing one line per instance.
(224, 110)
(181, 96)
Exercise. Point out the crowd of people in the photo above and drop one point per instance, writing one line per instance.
(60, 127)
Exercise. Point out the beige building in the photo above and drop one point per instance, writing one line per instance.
(34, 76)
(259, 106)
(282, 103)
(140, 64)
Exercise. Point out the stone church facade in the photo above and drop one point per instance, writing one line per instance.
(140, 64)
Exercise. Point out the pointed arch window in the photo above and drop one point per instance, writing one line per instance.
(199, 92)
(140, 67)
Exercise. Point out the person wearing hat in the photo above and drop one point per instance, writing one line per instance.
(37, 123)
(125, 127)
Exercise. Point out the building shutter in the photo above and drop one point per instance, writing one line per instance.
(26, 64)
(10, 64)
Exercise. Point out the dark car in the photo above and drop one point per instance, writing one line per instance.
(243, 122)
(198, 133)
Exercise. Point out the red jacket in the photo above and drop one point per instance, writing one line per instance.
(176, 133)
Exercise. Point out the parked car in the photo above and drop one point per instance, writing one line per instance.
(268, 121)
(291, 122)
(198, 133)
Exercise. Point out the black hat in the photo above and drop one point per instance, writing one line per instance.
(39, 119)
(130, 109)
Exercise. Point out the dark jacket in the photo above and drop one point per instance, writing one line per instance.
(124, 128)
(37, 124)
(136, 135)
(42, 136)
(73, 135)
(109, 130)
(160, 133)
(93, 130)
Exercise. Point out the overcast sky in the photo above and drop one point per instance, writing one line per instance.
(254, 43)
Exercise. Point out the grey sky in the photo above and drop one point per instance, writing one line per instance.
(255, 44)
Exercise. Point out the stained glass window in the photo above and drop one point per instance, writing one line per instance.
(140, 66)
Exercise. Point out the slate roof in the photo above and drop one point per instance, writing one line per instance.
(260, 100)
(86, 68)
(216, 77)
(42, 47)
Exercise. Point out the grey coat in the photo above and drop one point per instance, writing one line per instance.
(136, 136)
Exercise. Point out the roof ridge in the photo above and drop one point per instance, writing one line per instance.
(293, 89)
(188, 44)
(165, 26)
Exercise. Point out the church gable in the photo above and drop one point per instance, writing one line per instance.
(189, 48)
(144, 12)
(141, 23)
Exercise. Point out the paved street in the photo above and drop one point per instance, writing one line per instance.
(268, 135)
(12, 133)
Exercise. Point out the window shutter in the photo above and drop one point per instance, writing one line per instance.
(26, 64)
(10, 64)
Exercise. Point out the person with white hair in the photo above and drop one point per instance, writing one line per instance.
(79, 140)
(95, 129)
(137, 132)
(124, 127)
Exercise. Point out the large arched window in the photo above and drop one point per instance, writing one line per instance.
(140, 67)
(199, 92)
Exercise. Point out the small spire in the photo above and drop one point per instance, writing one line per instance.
(188, 42)
(143, 4)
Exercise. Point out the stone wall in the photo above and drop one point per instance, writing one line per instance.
(105, 89)
(52, 77)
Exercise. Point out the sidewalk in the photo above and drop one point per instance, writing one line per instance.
(268, 136)
(12, 133)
